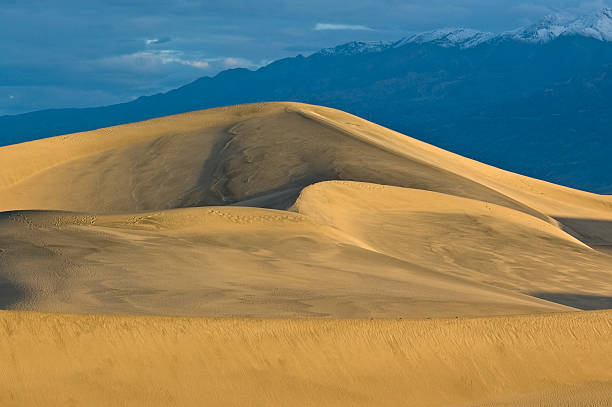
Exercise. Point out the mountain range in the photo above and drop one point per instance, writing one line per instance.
(535, 100)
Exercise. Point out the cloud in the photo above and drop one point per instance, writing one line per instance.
(155, 41)
(336, 27)
(194, 63)
(152, 60)
(233, 62)
(169, 56)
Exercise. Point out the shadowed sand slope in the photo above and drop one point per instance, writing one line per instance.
(306, 216)
(262, 153)
(545, 360)
(345, 249)
(229, 212)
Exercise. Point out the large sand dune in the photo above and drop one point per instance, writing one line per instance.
(346, 249)
(454, 237)
(284, 210)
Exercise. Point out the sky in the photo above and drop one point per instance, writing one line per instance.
(75, 53)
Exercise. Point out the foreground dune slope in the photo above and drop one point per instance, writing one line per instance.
(345, 249)
(544, 360)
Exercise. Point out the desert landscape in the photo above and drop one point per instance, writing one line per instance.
(291, 254)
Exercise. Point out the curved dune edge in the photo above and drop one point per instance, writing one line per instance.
(170, 152)
(551, 199)
(338, 202)
(352, 250)
(544, 360)
(262, 155)
(166, 229)
(154, 218)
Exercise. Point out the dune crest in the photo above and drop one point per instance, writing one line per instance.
(314, 234)
(286, 209)
(266, 151)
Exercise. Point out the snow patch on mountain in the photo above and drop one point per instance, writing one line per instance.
(448, 37)
(598, 26)
(355, 48)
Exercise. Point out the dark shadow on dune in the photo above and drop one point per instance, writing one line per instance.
(249, 151)
(580, 301)
(212, 186)
(606, 249)
(596, 233)
(10, 294)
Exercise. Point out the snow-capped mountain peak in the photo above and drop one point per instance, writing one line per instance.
(448, 37)
(355, 48)
(597, 25)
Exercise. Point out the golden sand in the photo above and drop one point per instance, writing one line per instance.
(286, 210)
(96, 360)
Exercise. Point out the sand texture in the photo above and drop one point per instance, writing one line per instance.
(546, 360)
(288, 210)
(347, 265)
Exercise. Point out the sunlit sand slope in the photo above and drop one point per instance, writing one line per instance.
(172, 216)
(285, 210)
(92, 360)
(263, 154)
(345, 249)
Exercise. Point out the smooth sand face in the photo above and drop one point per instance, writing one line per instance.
(285, 210)
(345, 250)
(453, 238)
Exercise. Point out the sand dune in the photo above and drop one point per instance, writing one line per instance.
(454, 237)
(547, 360)
(285, 210)
(345, 249)
(233, 154)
